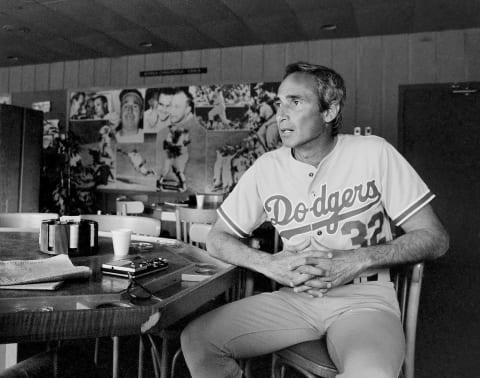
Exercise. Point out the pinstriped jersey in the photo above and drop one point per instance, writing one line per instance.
(347, 202)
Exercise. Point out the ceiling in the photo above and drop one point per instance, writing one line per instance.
(44, 31)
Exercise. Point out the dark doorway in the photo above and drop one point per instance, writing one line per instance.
(439, 133)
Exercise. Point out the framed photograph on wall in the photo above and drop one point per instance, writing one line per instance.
(193, 138)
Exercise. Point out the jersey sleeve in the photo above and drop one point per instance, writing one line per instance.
(243, 210)
(404, 192)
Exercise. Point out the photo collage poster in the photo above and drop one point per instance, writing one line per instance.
(192, 138)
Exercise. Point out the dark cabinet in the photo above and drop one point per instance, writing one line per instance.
(21, 132)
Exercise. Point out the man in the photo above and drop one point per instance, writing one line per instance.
(164, 103)
(219, 109)
(150, 116)
(100, 106)
(331, 197)
(77, 105)
(157, 117)
(176, 144)
(130, 129)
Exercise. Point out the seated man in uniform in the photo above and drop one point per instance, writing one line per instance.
(332, 198)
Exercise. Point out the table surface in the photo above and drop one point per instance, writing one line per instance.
(99, 306)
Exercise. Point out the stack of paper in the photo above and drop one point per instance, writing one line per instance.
(44, 274)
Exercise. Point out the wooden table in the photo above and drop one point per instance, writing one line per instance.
(99, 306)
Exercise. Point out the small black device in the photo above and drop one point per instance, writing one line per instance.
(134, 267)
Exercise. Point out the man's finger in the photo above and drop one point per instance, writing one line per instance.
(301, 288)
(317, 292)
(318, 284)
(299, 279)
(311, 269)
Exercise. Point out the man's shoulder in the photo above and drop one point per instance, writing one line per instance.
(349, 141)
(278, 155)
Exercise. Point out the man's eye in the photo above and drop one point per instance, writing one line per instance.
(296, 102)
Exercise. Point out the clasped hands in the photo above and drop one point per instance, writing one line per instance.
(314, 272)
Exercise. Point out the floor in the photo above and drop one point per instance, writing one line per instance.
(76, 360)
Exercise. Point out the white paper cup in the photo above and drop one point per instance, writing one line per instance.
(200, 200)
(121, 241)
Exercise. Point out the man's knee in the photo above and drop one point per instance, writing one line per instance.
(368, 372)
(193, 335)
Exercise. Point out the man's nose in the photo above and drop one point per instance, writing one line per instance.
(281, 112)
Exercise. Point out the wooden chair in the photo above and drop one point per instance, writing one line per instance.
(213, 198)
(192, 226)
(311, 358)
(130, 207)
(22, 222)
(138, 225)
(29, 222)
(186, 217)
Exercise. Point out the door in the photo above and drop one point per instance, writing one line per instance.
(440, 136)
(31, 161)
(11, 120)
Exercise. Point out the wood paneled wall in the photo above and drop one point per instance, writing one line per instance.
(373, 68)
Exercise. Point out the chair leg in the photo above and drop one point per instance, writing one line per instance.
(164, 360)
(141, 349)
(116, 352)
(278, 369)
(176, 356)
(275, 367)
(53, 347)
(155, 363)
(96, 351)
(155, 357)
(247, 370)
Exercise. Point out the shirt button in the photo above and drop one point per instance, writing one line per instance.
(311, 174)
(319, 232)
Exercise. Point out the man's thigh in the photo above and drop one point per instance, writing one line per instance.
(367, 342)
(256, 325)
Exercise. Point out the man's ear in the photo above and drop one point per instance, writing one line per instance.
(331, 113)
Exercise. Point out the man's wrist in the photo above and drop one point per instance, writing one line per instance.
(366, 258)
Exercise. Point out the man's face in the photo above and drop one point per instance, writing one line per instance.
(298, 116)
(164, 105)
(98, 106)
(131, 112)
(179, 109)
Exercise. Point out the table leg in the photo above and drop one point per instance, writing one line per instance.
(116, 352)
(141, 348)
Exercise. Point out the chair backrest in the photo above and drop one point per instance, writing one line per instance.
(129, 207)
(198, 234)
(138, 225)
(24, 221)
(408, 284)
(213, 198)
(187, 217)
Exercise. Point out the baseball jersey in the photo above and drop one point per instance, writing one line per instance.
(347, 202)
